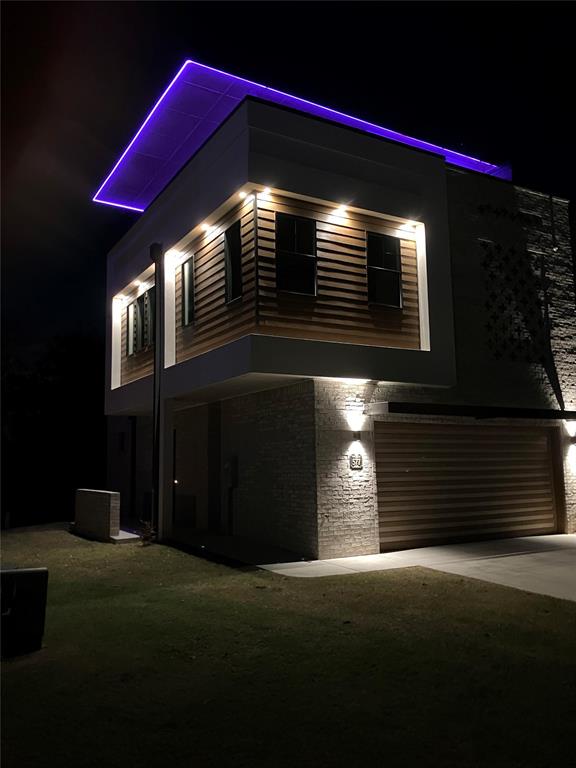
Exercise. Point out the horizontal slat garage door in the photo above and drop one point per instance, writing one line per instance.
(440, 482)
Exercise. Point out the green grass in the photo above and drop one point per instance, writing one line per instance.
(157, 658)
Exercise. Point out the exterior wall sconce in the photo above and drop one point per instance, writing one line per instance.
(356, 435)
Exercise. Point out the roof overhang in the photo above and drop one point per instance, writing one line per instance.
(193, 106)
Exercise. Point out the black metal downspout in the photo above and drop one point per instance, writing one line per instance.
(157, 256)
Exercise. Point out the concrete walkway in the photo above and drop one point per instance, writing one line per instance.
(542, 564)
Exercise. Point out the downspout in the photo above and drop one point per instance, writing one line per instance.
(157, 256)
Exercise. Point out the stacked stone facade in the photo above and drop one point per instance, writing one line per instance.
(346, 498)
(271, 436)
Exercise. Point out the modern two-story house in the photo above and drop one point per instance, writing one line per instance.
(332, 338)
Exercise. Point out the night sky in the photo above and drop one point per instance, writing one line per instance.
(493, 80)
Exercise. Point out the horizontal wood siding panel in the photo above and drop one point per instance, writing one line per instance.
(340, 310)
(450, 482)
(215, 322)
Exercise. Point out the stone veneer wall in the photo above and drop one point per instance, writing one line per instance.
(272, 434)
(553, 231)
(347, 504)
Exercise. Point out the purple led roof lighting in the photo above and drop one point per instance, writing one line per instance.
(195, 103)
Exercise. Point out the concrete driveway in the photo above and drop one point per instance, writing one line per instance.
(542, 564)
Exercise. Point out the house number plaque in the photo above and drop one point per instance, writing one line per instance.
(355, 461)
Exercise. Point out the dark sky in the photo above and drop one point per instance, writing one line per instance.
(490, 80)
(494, 80)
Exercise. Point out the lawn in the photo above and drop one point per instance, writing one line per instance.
(154, 657)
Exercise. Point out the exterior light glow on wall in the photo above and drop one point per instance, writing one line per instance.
(338, 215)
(570, 427)
(356, 420)
(351, 382)
(174, 257)
(571, 458)
(357, 452)
(409, 229)
(241, 195)
(115, 370)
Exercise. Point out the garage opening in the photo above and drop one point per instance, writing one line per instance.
(445, 482)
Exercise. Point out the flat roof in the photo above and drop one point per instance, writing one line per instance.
(195, 103)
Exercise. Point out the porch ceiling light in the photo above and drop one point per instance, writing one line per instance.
(193, 106)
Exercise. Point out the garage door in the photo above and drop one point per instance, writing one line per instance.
(439, 482)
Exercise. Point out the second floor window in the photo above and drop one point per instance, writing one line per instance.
(295, 254)
(141, 323)
(233, 259)
(384, 270)
(188, 292)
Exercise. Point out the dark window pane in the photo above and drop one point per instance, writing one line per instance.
(383, 251)
(139, 340)
(384, 287)
(305, 236)
(149, 325)
(296, 273)
(188, 292)
(233, 257)
(131, 330)
(285, 233)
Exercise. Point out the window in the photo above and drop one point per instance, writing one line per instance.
(295, 254)
(384, 270)
(188, 292)
(131, 329)
(149, 329)
(233, 259)
(141, 322)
